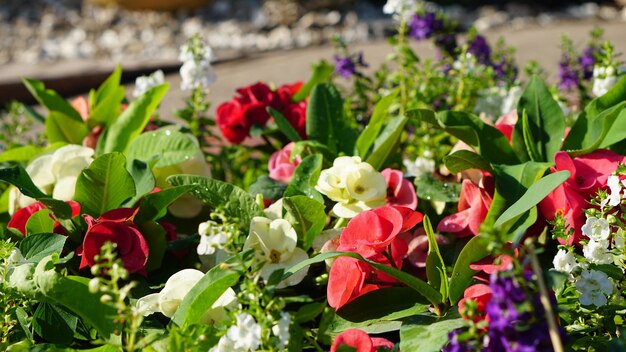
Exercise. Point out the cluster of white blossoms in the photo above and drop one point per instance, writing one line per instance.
(400, 8)
(212, 237)
(144, 83)
(497, 101)
(196, 71)
(354, 184)
(243, 337)
(594, 286)
(55, 174)
(604, 78)
(422, 165)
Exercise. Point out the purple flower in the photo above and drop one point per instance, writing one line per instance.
(455, 344)
(480, 49)
(505, 69)
(346, 66)
(587, 60)
(568, 77)
(424, 26)
(446, 43)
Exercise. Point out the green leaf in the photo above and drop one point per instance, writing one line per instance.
(307, 217)
(60, 128)
(283, 124)
(26, 153)
(428, 333)
(545, 126)
(38, 246)
(166, 146)
(143, 178)
(322, 71)
(391, 303)
(51, 99)
(268, 187)
(106, 101)
(435, 267)
(614, 96)
(462, 160)
(40, 222)
(474, 250)
(154, 205)
(512, 181)
(212, 285)
(133, 120)
(432, 295)
(309, 312)
(305, 178)
(155, 236)
(490, 143)
(515, 233)
(603, 125)
(535, 194)
(379, 116)
(104, 185)
(385, 143)
(60, 209)
(236, 202)
(54, 323)
(18, 177)
(430, 188)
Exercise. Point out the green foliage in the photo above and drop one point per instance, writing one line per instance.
(307, 217)
(428, 333)
(305, 178)
(165, 146)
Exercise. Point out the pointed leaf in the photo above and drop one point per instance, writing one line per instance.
(322, 71)
(379, 116)
(307, 217)
(283, 124)
(474, 250)
(462, 160)
(305, 178)
(385, 143)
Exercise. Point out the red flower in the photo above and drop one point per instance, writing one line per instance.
(400, 191)
(588, 173)
(473, 206)
(295, 113)
(347, 281)
(21, 216)
(361, 341)
(370, 232)
(479, 293)
(115, 226)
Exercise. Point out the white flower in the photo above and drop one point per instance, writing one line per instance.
(275, 242)
(281, 329)
(511, 99)
(593, 286)
(54, 174)
(490, 101)
(355, 186)
(212, 237)
(615, 187)
(246, 335)
(597, 252)
(176, 288)
(618, 241)
(144, 83)
(564, 261)
(197, 74)
(596, 229)
(224, 345)
(203, 49)
(421, 166)
(401, 8)
(604, 78)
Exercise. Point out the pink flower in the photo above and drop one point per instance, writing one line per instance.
(400, 191)
(417, 243)
(473, 206)
(361, 341)
(479, 293)
(588, 173)
(281, 166)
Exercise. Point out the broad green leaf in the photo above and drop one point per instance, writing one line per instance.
(212, 285)
(305, 178)
(614, 96)
(59, 208)
(379, 116)
(133, 120)
(535, 194)
(387, 141)
(54, 323)
(545, 126)
(490, 143)
(432, 295)
(512, 181)
(428, 333)
(40, 222)
(391, 303)
(51, 99)
(462, 160)
(18, 177)
(168, 147)
(155, 236)
(322, 71)
(283, 124)
(104, 185)
(237, 203)
(309, 312)
(615, 135)
(22, 318)
(38, 246)
(60, 128)
(154, 205)
(109, 86)
(435, 267)
(268, 187)
(605, 123)
(26, 153)
(72, 292)
(105, 103)
(474, 250)
(143, 178)
(307, 217)
(430, 188)
(515, 233)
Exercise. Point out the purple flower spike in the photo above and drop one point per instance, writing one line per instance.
(424, 26)
(346, 66)
(568, 77)
(587, 61)
(480, 49)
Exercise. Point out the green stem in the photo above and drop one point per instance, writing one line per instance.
(401, 63)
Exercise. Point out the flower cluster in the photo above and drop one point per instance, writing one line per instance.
(144, 83)
(236, 117)
(196, 71)
(347, 66)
